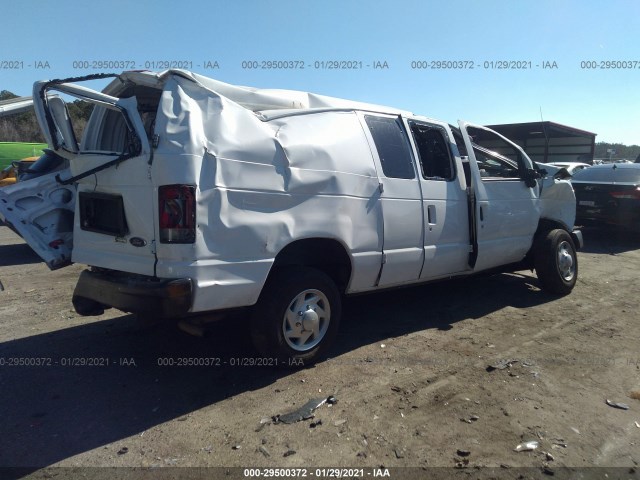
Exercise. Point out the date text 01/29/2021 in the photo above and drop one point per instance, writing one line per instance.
(326, 472)
(230, 362)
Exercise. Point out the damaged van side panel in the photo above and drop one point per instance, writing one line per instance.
(260, 186)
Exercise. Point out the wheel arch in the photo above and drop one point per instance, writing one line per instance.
(544, 225)
(328, 255)
(547, 224)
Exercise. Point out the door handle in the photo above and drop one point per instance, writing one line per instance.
(481, 214)
(431, 214)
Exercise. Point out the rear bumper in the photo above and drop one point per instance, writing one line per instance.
(137, 294)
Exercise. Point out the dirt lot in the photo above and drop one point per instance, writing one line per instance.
(409, 372)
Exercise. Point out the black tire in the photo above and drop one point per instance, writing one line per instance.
(556, 262)
(87, 307)
(275, 313)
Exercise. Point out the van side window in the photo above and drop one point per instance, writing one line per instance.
(392, 146)
(496, 158)
(435, 158)
(493, 165)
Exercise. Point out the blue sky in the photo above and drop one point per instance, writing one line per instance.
(605, 101)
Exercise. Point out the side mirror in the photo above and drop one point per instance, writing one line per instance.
(531, 177)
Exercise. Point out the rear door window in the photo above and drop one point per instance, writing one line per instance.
(392, 145)
(435, 158)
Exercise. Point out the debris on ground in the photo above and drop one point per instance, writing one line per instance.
(264, 451)
(263, 422)
(501, 365)
(399, 452)
(471, 419)
(337, 423)
(635, 394)
(315, 424)
(463, 453)
(637, 424)
(549, 457)
(305, 412)
(527, 446)
(288, 453)
(547, 470)
(621, 406)
(123, 450)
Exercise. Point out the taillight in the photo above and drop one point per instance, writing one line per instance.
(629, 194)
(177, 212)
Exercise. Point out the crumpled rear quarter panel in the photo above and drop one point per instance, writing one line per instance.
(261, 185)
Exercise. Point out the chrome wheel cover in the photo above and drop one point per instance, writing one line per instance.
(566, 261)
(306, 320)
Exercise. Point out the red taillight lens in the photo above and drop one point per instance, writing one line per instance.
(629, 194)
(177, 212)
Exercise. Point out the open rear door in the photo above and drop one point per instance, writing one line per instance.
(42, 210)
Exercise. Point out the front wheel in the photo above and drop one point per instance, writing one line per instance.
(556, 262)
(297, 315)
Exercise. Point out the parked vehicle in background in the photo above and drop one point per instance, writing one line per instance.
(571, 167)
(32, 167)
(608, 194)
(48, 162)
(189, 195)
(11, 174)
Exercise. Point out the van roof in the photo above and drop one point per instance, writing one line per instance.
(269, 102)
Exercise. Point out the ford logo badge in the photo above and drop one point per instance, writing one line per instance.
(137, 241)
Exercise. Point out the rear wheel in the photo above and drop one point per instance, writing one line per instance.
(297, 316)
(556, 262)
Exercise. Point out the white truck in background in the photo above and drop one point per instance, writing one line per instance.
(189, 195)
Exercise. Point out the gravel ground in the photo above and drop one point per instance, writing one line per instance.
(409, 371)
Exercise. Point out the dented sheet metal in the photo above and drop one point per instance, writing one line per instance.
(262, 184)
(558, 201)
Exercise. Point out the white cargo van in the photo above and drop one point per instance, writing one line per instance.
(188, 195)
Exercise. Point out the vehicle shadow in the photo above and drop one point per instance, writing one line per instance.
(17, 254)
(370, 318)
(63, 407)
(609, 240)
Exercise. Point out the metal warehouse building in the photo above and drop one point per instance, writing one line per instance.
(550, 142)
